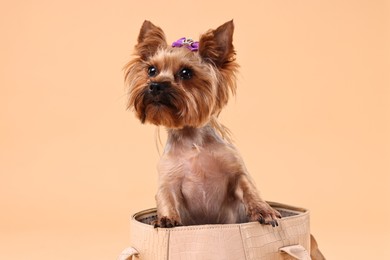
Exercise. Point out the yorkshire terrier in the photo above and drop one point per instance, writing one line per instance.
(183, 87)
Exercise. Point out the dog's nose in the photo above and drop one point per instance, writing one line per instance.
(156, 88)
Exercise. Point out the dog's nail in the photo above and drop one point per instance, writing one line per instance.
(261, 220)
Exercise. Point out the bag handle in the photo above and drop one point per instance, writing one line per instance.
(297, 251)
(128, 253)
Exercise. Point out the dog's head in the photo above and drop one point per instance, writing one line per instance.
(182, 84)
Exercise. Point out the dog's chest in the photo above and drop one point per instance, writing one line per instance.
(205, 179)
(202, 175)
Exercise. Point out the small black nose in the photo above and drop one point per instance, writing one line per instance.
(156, 88)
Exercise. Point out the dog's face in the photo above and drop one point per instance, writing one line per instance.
(178, 87)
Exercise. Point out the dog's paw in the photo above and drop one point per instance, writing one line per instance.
(166, 222)
(264, 214)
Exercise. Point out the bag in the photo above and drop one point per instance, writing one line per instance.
(246, 241)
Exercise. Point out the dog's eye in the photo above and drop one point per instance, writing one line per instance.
(185, 73)
(152, 71)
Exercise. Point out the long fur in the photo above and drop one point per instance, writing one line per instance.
(202, 177)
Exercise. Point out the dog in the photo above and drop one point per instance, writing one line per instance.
(183, 87)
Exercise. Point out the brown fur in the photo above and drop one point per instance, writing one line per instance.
(202, 178)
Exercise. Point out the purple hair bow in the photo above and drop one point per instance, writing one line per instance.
(188, 43)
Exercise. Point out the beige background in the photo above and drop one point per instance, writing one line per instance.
(311, 118)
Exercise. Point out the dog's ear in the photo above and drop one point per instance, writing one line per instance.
(150, 38)
(216, 46)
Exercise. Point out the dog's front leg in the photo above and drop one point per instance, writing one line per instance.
(167, 198)
(256, 208)
(167, 212)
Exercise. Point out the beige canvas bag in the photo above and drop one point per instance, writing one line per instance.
(247, 241)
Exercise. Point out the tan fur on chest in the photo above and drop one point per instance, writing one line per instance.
(198, 170)
(205, 177)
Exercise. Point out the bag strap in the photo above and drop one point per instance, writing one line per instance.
(128, 253)
(297, 251)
